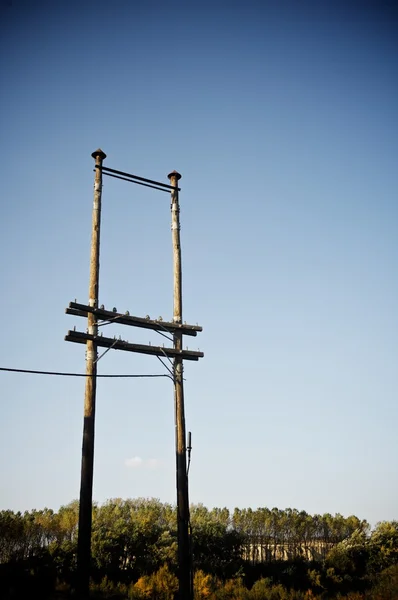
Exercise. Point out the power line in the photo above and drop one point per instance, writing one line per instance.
(61, 374)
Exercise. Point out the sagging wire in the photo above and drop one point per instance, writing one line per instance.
(63, 374)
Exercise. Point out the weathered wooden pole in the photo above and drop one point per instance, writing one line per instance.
(86, 483)
(184, 558)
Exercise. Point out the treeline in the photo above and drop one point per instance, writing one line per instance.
(134, 550)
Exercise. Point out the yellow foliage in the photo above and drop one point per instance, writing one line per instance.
(203, 585)
(234, 590)
(144, 586)
(161, 585)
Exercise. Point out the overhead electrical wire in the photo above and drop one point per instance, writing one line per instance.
(62, 374)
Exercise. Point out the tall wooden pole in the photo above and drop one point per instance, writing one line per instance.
(184, 558)
(86, 484)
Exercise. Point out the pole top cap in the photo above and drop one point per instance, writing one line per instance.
(99, 153)
(174, 174)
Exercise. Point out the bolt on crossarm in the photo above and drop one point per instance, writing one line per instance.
(184, 555)
(87, 467)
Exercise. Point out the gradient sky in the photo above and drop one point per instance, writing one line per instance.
(282, 119)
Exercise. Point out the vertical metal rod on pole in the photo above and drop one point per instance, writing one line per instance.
(86, 483)
(184, 558)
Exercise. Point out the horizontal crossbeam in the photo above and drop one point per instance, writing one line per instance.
(81, 338)
(82, 310)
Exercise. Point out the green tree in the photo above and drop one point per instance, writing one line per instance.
(217, 548)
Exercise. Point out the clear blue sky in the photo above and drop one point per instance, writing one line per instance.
(282, 119)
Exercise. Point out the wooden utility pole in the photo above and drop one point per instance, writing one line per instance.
(86, 483)
(184, 555)
(92, 341)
